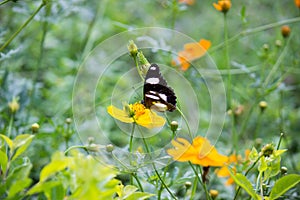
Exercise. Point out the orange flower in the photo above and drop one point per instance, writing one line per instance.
(297, 3)
(191, 52)
(222, 5)
(137, 113)
(188, 2)
(200, 152)
(235, 160)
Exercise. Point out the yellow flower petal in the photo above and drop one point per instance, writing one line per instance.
(150, 119)
(119, 114)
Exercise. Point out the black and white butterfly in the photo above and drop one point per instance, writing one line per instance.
(157, 94)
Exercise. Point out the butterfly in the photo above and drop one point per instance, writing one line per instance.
(157, 94)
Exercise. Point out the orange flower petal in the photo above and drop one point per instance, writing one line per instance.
(199, 152)
(217, 6)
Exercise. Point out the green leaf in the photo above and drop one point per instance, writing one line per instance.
(283, 184)
(58, 163)
(262, 165)
(18, 186)
(43, 187)
(273, 168)
(18, 178)
(243, 182)
(129, 193)
(139, 196)
(253, 156)
(3, 161)
(21, 143)
(8, 141)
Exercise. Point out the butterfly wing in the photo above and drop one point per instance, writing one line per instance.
(156, 90)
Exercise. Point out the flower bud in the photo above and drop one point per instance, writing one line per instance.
(213, 193)
(297, 3)
(263, 105)
(285, 31)
(132, 48)
(278, 43)
(238, 110)
(266, 47)
(91, 140)
(174, 126)
(109, 148)
(68, 121)
(14, 105)
(187, 185)
(93, 147)
(283, 170)
(223, 6)
(229, 112)
(35, 127)
(268, 150)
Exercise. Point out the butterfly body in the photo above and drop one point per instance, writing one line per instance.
(157, 94)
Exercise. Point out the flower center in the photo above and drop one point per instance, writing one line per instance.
(138, 109)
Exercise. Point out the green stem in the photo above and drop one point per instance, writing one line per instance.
(174, 13)
(130, 148)
(138, 181)
(4, 2)
(164, 175)
(258, 125)
(154, 167)
(186, 122)
(253, 31)
(22, 27)
(194, 189)
(276, 66)
(250, 168)
(200, 180)
(227, 62)
(131, 138)
(75, 147)
(279, 142)
(138, 68)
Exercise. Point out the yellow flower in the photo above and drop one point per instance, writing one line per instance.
(191, 52)
(137, 113)
(222, 5)
(200, 152)
(233, 160)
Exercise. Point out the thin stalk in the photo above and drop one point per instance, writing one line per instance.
(258, 125)
(186, 122)
(227, 62)
(138, 181)
(253, 31)
(75, 147)
(250, 168)
(4, 2)
(164, 175)
(131, 138)
(154, 167)
(22, 27)
(174, 13)
(200, 180)
(194, 189)
(279, 142)
(130, 148)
